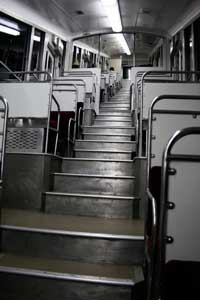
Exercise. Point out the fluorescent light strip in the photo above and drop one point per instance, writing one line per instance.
(9, 30)
(112, 10)
(121, 39)
(9, 24)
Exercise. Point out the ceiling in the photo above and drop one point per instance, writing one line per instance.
(148, 14)
(87, 17)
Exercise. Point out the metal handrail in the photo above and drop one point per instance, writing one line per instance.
(79, 125)
(148, 73)
(154, 219)
(9, 71)
(151, 257)
(58, 125)
(4, 134)
(69, 140)
(76, 100)
(33, 73)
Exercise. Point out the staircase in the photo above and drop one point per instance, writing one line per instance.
(88, 242)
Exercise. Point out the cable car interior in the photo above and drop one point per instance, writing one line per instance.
(99, 149)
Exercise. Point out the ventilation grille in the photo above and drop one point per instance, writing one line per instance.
(25, 140)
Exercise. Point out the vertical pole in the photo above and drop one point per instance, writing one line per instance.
(99, 51)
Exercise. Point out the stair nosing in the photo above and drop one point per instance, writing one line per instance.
(103, 196)
(67, 276)
(104, 151)
(107, 141)
(104, 120)
(97, 159)
(92, 175)
(109, 127)
(108, 134)
(95, 235)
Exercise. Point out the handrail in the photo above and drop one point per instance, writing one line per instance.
(155, 217)
(58, 124)
(4, 134)
(142, 96)
(154, 231)
(68, 135)
(34, 73)
(9, 71)
(79, 125)
(76, 101)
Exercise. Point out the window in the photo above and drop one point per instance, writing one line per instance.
(38, 47)
(189, 47)
(14, 37)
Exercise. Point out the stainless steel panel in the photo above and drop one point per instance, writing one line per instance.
(48, 289)
(102, 167)
(109, 130)
(25, 140)
(104, 154)
(117, 123)
(108, 137)
(92, 205)
(105, 145)
(72, 248)
(94, 184)
(26, 177)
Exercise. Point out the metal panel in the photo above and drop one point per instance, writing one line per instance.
(25, 140)
(27, 100)
(183, 221)
(72, 248)
(164, 127)
(66, 100)
(26, 177)
(151, 90)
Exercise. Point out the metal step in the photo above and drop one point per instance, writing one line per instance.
(105, 206)
(95, 166)
(114, 118)
(114, 109)
(102, 154)
(109, 129)
(83, 239)
(118, 113)
(46, 279)
(105, 145)
(94, 184)
(103, 122)
(108, 137)
(115, 104)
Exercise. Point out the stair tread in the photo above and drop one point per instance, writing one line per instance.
(98, 160)
(71, 270)
(103, 151)
(103, 196)
(108, 126)
(106, 141)
(72, 225)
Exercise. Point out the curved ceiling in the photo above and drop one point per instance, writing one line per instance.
(88, 16)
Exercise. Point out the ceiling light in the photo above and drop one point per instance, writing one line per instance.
(9, 30)
(112, 11)
(123, 43)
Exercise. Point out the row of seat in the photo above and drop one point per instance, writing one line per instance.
(167, 118)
